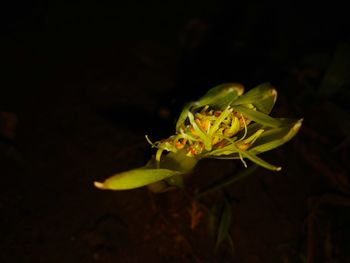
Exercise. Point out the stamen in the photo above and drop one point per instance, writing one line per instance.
(149, 141)
(242, 160)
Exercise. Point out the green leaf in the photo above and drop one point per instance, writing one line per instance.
(258, 117)
(338, 72)
(220, 96)
(260, 161)
(274, 138)
(135, 178)
(179, 161)
(226, 150)
(225, 223)
(263, 97)
(233, 152)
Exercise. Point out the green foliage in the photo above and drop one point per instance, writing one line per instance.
(224, 225)
(135, 178)
(337, 74)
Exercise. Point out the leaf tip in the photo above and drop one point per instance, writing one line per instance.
(274, 94)
(99, 185)
(239, 88)
(297, 125)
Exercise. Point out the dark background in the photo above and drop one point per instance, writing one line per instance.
(81, 84)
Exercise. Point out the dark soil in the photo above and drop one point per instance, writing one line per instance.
(82, 85)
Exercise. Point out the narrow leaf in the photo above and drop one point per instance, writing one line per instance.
(255, 159)
(274, 138)
(227, 150)
(135, 178)
(225, 223)
(260, 161)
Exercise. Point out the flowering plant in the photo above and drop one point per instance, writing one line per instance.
(224, 124)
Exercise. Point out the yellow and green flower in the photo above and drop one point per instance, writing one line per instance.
(225, 124)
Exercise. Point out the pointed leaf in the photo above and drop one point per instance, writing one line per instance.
(260, 161)
(135, 178)
(253, 158)
(274, 138)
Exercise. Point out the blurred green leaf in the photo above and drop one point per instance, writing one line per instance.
(225, 223)
(338, 72)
